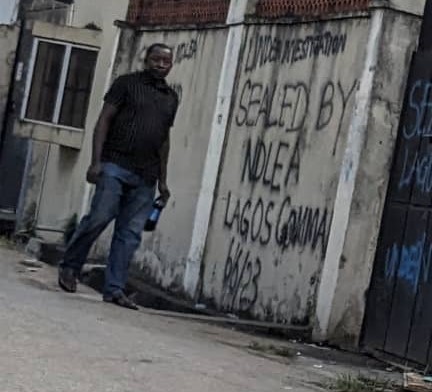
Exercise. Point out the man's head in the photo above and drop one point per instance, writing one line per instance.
(159, 60)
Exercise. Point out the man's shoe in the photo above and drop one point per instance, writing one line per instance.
(122, 300)
(67, 280)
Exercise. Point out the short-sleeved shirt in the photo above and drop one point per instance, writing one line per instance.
(146, 110)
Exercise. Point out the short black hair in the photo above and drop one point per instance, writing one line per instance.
(153, 47)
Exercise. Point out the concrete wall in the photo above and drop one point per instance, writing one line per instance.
(304, 171)
(51, 11)
(55, 181)
(415, 7)
(398, 41)
(195, 76)
(278, 180)
(22, 160)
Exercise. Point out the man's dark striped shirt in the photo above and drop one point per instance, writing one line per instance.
(146, 110)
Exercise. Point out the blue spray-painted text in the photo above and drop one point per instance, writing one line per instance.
(409, 262)
(418, 169)
(420, 107)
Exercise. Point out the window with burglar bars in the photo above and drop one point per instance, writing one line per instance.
(59, 84)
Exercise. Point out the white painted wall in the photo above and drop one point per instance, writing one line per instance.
(355, 261)
(415, 7)
(274, 204)
(215, 147)
(8, 12)
(64, 175)
(348, 175)
(267, 267)
(196, 73)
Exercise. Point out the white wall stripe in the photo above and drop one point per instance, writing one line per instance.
(215, 148)
(355, 141)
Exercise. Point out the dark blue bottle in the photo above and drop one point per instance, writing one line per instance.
(154, 216)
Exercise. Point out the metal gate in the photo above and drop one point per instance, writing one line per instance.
(399, 313)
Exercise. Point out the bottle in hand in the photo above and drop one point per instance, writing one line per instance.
(154, 216)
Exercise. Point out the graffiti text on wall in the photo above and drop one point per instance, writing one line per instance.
(410, 263)
(263, 220)
(417, 156)
(240, 280)
(258, 220)
(183, 51)
(286, 106)
(267, 49)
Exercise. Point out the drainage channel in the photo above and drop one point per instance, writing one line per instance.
(93, 275)
(148, 296)
(145, 295)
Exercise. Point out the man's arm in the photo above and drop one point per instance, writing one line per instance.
(164, 154)
(100, 133)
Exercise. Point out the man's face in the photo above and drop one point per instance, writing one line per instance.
(159, 62)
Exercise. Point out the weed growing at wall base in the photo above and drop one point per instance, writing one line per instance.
(349, 383)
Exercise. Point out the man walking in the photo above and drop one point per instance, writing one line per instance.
(130, 156)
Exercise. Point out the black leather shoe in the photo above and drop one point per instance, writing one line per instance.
(122, 300)
(67, 280)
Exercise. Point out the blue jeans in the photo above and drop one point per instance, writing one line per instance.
(125, 197)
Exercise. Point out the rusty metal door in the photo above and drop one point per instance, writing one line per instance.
(399, 312)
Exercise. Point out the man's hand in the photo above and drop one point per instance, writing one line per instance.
(93, 173)
(164, 191)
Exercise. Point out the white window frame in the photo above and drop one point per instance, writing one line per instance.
(62, 83)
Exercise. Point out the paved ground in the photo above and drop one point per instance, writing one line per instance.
(55, 342)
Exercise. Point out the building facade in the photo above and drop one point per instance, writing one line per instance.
(281, 157)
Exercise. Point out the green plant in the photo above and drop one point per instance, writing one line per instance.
(349, 383)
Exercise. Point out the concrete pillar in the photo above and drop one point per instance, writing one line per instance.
(236, 15)
(347, 178)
